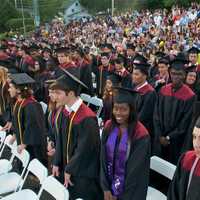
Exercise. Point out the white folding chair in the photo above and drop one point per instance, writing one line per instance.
(10, 182)
(40, 171)
(86, 98)
(98, 103)
(6, 164)
(50, 185)
(2, 138)
(54, 188)
(164, 168)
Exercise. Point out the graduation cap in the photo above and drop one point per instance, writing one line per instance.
(165, 60)
(178, 65)
(160, 54)
(193, 50)
(130, 46)
(115, 79)
(22, 79)
(191, 68)
(34, 47)
(105, 55)
(143, 67)
(124, 95)
(46, 49)
(139, 59)
(119, 60)
(62, 50)
(69, 81)
(182, 57)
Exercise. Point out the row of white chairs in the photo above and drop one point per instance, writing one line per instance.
(13, 182)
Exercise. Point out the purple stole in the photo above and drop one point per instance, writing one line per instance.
(116, 161)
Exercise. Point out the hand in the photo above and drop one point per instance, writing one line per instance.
(67, 180)
(20, 148)
(164, 141)
(108, 195)
(55, 171)
(7, 127)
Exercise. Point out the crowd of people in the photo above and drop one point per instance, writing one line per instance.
(144, 65)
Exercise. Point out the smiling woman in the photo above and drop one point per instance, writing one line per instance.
(125, 140)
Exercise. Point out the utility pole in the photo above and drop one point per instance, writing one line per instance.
(15, 4)
(36, 13)
(23, 20)
(113, 7)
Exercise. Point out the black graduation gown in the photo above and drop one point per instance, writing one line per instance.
(107, 108)
(86, 77)
(172, 117)
(179, 184)
(101, 76)
(137, 164)
(31, 122)
(83, 151)
(53, 119)
(145, 107)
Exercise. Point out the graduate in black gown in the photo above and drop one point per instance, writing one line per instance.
(186, 180)
(78, 142)
(173, 114)
(28, 118)
(112, 80)
(147, 96)
(125, 151)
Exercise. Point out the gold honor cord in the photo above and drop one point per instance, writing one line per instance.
(69, 135)
(18, 120)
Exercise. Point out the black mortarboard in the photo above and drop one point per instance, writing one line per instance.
(115, 79)
(22, 79)
(143, 67)
(46, 49)
(62, 50)
(191, 68)
(164, 60)
(105, 55)
(108, 45)
(177, 65)
(69, 81)
(124, 95)
(193, 50)
(119, 60)
(139, 59)
(34, 47)
(130, 46)
(160, 54)
(181, 57)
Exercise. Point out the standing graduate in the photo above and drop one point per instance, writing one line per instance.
(186, 180)
(78, 142)
(173, 114)
(28, 117)
(147, 96)
(125, 151)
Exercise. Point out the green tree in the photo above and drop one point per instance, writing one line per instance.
(7, 12)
